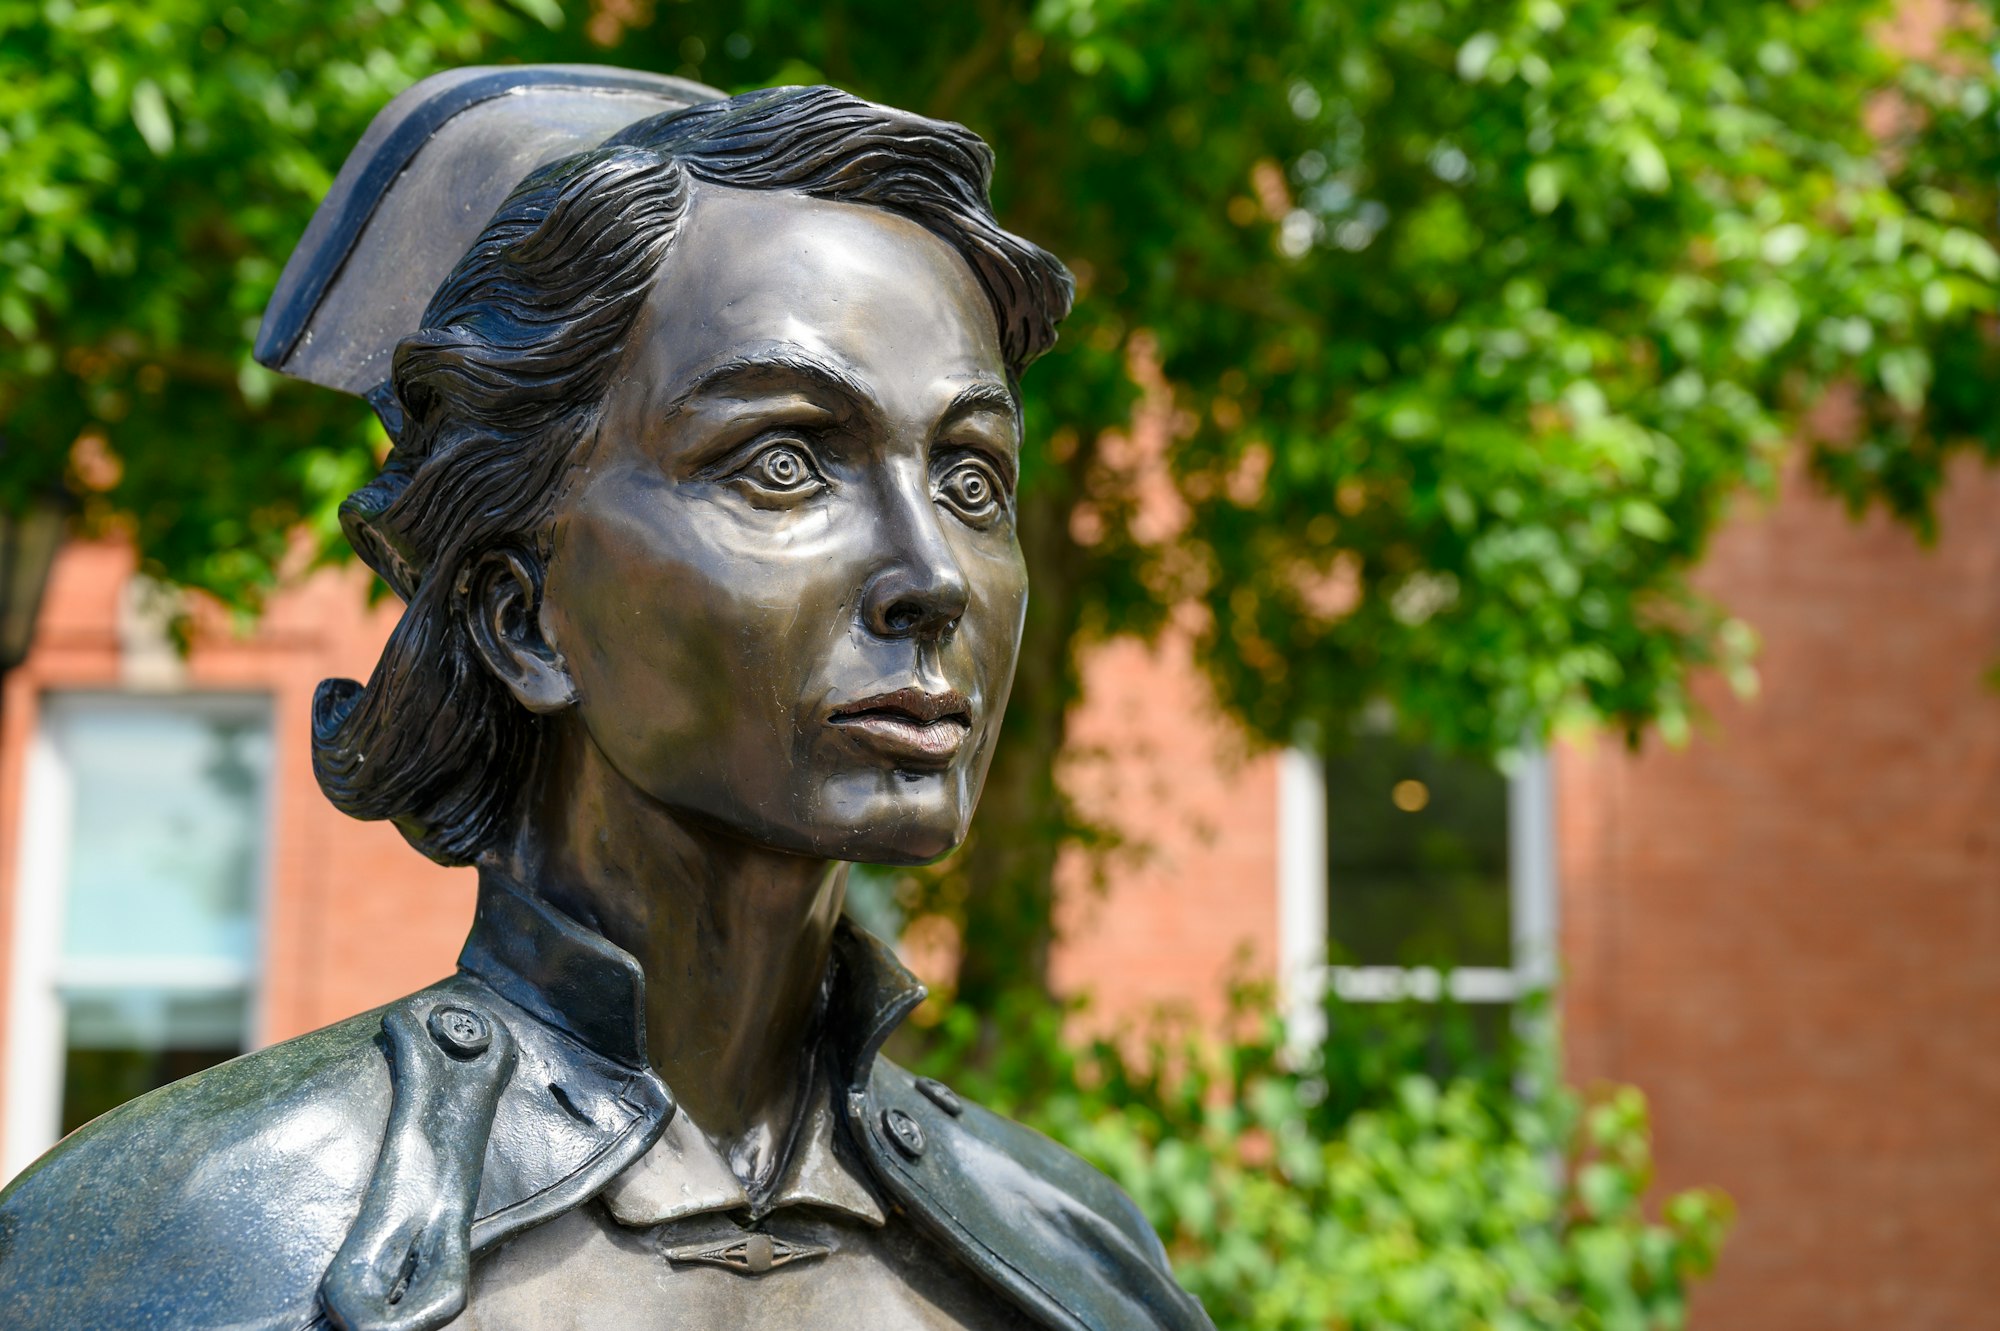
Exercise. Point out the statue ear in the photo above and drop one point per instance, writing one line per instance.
(502, 592)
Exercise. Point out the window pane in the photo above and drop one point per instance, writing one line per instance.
(1416, 856)
(122, 1044)
(167, 837)
(165, 852)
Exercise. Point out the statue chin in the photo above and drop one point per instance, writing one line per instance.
(702, 499)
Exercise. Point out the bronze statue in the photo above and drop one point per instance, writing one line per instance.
(701, 502)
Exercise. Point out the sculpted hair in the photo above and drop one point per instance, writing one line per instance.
(500, 390)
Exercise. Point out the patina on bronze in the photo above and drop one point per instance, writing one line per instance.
(706, 432)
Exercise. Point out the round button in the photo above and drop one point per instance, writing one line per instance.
(460, 1032)
(941, 1095)
(904, 1132)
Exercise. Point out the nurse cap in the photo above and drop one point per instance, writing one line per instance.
(434, 166)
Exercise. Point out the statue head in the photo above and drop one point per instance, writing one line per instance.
(705, 457)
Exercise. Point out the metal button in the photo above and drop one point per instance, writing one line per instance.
(941, 1095)
(904, 1132)
(459, 1031)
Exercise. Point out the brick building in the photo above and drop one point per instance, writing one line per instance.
(1787, 933)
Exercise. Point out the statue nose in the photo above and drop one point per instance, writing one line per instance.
(916, 600)
(919, 590)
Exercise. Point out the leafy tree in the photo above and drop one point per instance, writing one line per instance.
(1466, 319)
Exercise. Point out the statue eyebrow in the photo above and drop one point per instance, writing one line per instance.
(984, 395)
(746, 371)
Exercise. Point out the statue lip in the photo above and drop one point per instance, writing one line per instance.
(909, 723)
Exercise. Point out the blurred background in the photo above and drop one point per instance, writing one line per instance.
(1494, 828)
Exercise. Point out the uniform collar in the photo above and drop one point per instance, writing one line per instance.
(683, 1175)
(579, 982)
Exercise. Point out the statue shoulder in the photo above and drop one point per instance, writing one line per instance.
(1029, 1214)
(347, 1177)
(217, 1200)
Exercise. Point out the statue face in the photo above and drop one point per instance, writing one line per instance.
(786, 580)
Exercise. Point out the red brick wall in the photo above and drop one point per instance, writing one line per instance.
(1789, 933)
(1190, 895)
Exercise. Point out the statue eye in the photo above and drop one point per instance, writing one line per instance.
(782, 469)
(970, 487)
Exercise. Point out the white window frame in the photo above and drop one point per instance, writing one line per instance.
(1303, 973)
(31, 1080)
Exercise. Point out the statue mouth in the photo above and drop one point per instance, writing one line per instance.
(909, 724)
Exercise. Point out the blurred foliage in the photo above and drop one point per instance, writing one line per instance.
(1465, 321)
(158, 159)
(1364, 1187)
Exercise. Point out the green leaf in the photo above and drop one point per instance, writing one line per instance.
(149, 114)
(1545, 186)
(1645, 519)
(548, 13)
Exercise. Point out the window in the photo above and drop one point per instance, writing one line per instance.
(1418, 873)
(1416, 857)
(140, 890)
